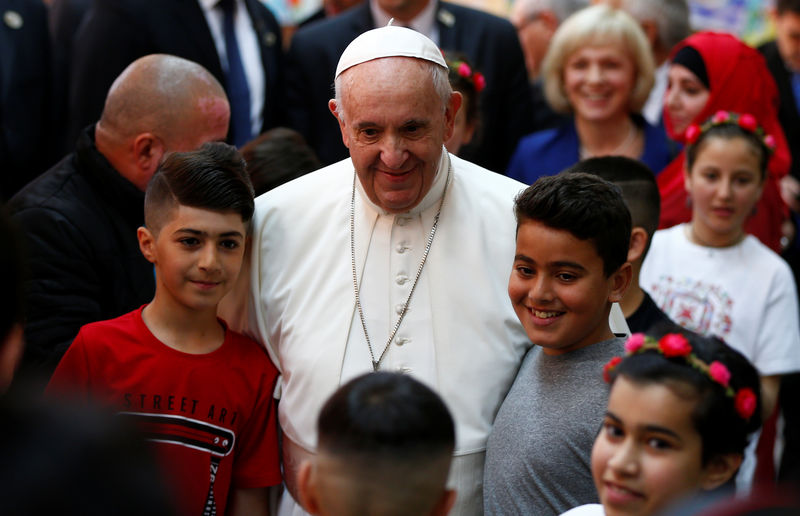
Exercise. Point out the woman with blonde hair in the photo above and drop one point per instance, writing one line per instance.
(599, 67)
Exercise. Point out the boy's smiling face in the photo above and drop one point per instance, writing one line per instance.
(559, 290)
(197, 254)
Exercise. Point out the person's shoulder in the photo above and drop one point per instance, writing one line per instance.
(769, 48)
(471, 172)
(761, 254)
(125, 323)
(59, 184)
(545, 138)
(316, 185)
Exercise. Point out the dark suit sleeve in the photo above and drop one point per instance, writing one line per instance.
(108, 41)
(311, 63)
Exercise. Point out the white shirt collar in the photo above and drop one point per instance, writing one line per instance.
(425, 22)
(432, 197)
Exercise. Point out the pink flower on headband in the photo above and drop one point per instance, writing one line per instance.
(480, 81)
(634, 343)
(745, 402)
(692, 133)
(748, 122)
(720, 116)
(674, 345)
(464, 70)
(719, 373)
(769, 141)
(610, 365)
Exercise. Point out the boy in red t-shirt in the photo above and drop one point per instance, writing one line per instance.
(200, 393)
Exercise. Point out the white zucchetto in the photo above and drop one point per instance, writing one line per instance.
(389, 41)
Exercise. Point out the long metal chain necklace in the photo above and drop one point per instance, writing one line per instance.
(377, 363)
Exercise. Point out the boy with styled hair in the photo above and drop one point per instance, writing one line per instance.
(385, 446)
(640, 192)
(200, 393)
(573, 232)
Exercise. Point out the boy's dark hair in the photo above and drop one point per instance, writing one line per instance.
(721, 428)
(783, 6)
(278, 156)
(392, 440)
(636, 182)
(212, 177)
(588, 207)
(13, 265)
(729, 131)
(386, 414)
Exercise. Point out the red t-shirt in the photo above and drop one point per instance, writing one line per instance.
(211, 418)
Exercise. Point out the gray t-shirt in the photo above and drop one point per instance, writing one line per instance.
(539, 451)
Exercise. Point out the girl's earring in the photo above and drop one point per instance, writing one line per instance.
(689, 200)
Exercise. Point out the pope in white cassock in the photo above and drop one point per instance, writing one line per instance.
(395, 259)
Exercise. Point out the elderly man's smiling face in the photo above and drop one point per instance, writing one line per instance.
(394, 124)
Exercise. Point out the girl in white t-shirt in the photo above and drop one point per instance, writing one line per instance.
(679, 415)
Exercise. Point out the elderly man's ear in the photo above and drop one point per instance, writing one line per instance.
(453, 106)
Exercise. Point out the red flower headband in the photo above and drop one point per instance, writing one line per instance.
(746, 121)
(675, 345)
(465, 71)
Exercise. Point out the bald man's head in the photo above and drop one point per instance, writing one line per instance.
(168, 96)
(159, 104)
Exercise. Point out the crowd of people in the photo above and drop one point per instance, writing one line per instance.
(411, 258)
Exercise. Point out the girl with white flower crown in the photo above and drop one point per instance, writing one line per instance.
(710, 276)
(679, 415)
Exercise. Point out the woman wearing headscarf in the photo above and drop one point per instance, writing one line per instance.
(711, 72)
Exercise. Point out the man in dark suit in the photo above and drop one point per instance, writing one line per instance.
(25, 94)
(116, 32)
(489, 42)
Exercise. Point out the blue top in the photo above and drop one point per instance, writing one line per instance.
(548, 152)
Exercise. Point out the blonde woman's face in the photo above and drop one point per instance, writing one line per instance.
(599, 81)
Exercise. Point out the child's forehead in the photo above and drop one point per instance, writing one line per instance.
(183, 215)
(538, 238)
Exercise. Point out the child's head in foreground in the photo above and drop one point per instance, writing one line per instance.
(385, 446)
(639, 189)
(197, 208)
(570, 264)
(726, 165)
(679, 415)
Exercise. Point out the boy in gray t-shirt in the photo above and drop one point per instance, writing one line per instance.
(573, 232)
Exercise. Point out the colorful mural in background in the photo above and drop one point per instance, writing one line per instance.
(746, 18)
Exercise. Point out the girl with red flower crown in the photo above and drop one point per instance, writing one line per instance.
(709, 275)
(679, 416)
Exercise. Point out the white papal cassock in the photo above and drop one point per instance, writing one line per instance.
(460, 335)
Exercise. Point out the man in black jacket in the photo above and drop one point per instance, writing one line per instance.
(80, 217)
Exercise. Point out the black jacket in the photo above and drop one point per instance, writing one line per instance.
(79, 220)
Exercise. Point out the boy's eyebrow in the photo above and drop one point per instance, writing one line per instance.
(648, 428)
(559, 264)
(205, 233)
